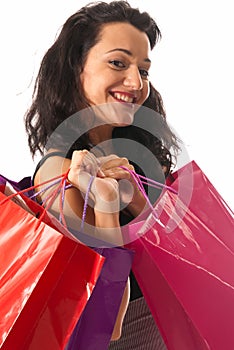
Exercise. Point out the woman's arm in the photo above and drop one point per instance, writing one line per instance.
(102, 217)
(105, 193)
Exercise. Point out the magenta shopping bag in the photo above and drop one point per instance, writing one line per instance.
(184, 263)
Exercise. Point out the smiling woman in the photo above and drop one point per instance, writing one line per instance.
(125, 67)
(93, 93)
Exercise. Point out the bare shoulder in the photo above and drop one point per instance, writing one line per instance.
(53, 166)
(74, 202)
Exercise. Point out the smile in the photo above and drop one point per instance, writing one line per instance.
(123, 97)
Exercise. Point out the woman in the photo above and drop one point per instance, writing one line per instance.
(92, 94)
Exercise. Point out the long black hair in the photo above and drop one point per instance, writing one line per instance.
(58, 93)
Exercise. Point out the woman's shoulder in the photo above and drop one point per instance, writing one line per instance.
(52, 164)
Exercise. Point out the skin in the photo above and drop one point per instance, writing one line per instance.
(121, 83)
(119, 67)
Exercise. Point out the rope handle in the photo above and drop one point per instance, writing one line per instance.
(60, 180)
(140, 180)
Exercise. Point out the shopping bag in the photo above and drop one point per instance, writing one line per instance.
(95, 326)
(24, 183)
(183, 262)
(46, 277)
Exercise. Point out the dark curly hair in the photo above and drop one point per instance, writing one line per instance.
(58, 93)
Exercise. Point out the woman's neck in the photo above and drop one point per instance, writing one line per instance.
(101, 139)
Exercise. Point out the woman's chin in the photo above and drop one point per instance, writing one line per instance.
(116, 113)
(123, 124)
(123, 118)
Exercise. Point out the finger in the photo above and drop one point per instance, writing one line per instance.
(86, 161)
(113, 163)
(107, 158)
(81, 161)
(92, 165)
(76, 162)
(90, 157)
(119, 173)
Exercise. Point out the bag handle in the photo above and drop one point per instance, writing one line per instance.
(61, 181)
(62, 188)
(140, 180)
(86, 202)
(47, 203)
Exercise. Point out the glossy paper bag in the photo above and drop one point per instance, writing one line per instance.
(184, 264)
(96, 324)
(46, 278)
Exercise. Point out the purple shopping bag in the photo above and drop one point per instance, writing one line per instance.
(95, 327)
(24, 183)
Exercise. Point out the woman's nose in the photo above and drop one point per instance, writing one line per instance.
(133, 79)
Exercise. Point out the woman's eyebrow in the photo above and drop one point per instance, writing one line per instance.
(129, 53)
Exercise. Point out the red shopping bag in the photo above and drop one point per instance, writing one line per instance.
(184, 263)
(46, 277)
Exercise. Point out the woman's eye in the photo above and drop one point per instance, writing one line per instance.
(144, 73)
(117, 64)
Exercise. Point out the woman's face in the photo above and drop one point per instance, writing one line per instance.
(115, 75)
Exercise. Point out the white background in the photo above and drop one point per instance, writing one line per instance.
(192, 69)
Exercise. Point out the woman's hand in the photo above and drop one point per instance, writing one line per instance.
(130, 194)
(104, 190)
(104, 193)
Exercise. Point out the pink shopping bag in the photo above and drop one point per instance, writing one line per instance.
(184, 263)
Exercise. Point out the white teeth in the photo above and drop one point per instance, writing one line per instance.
(123, 97)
